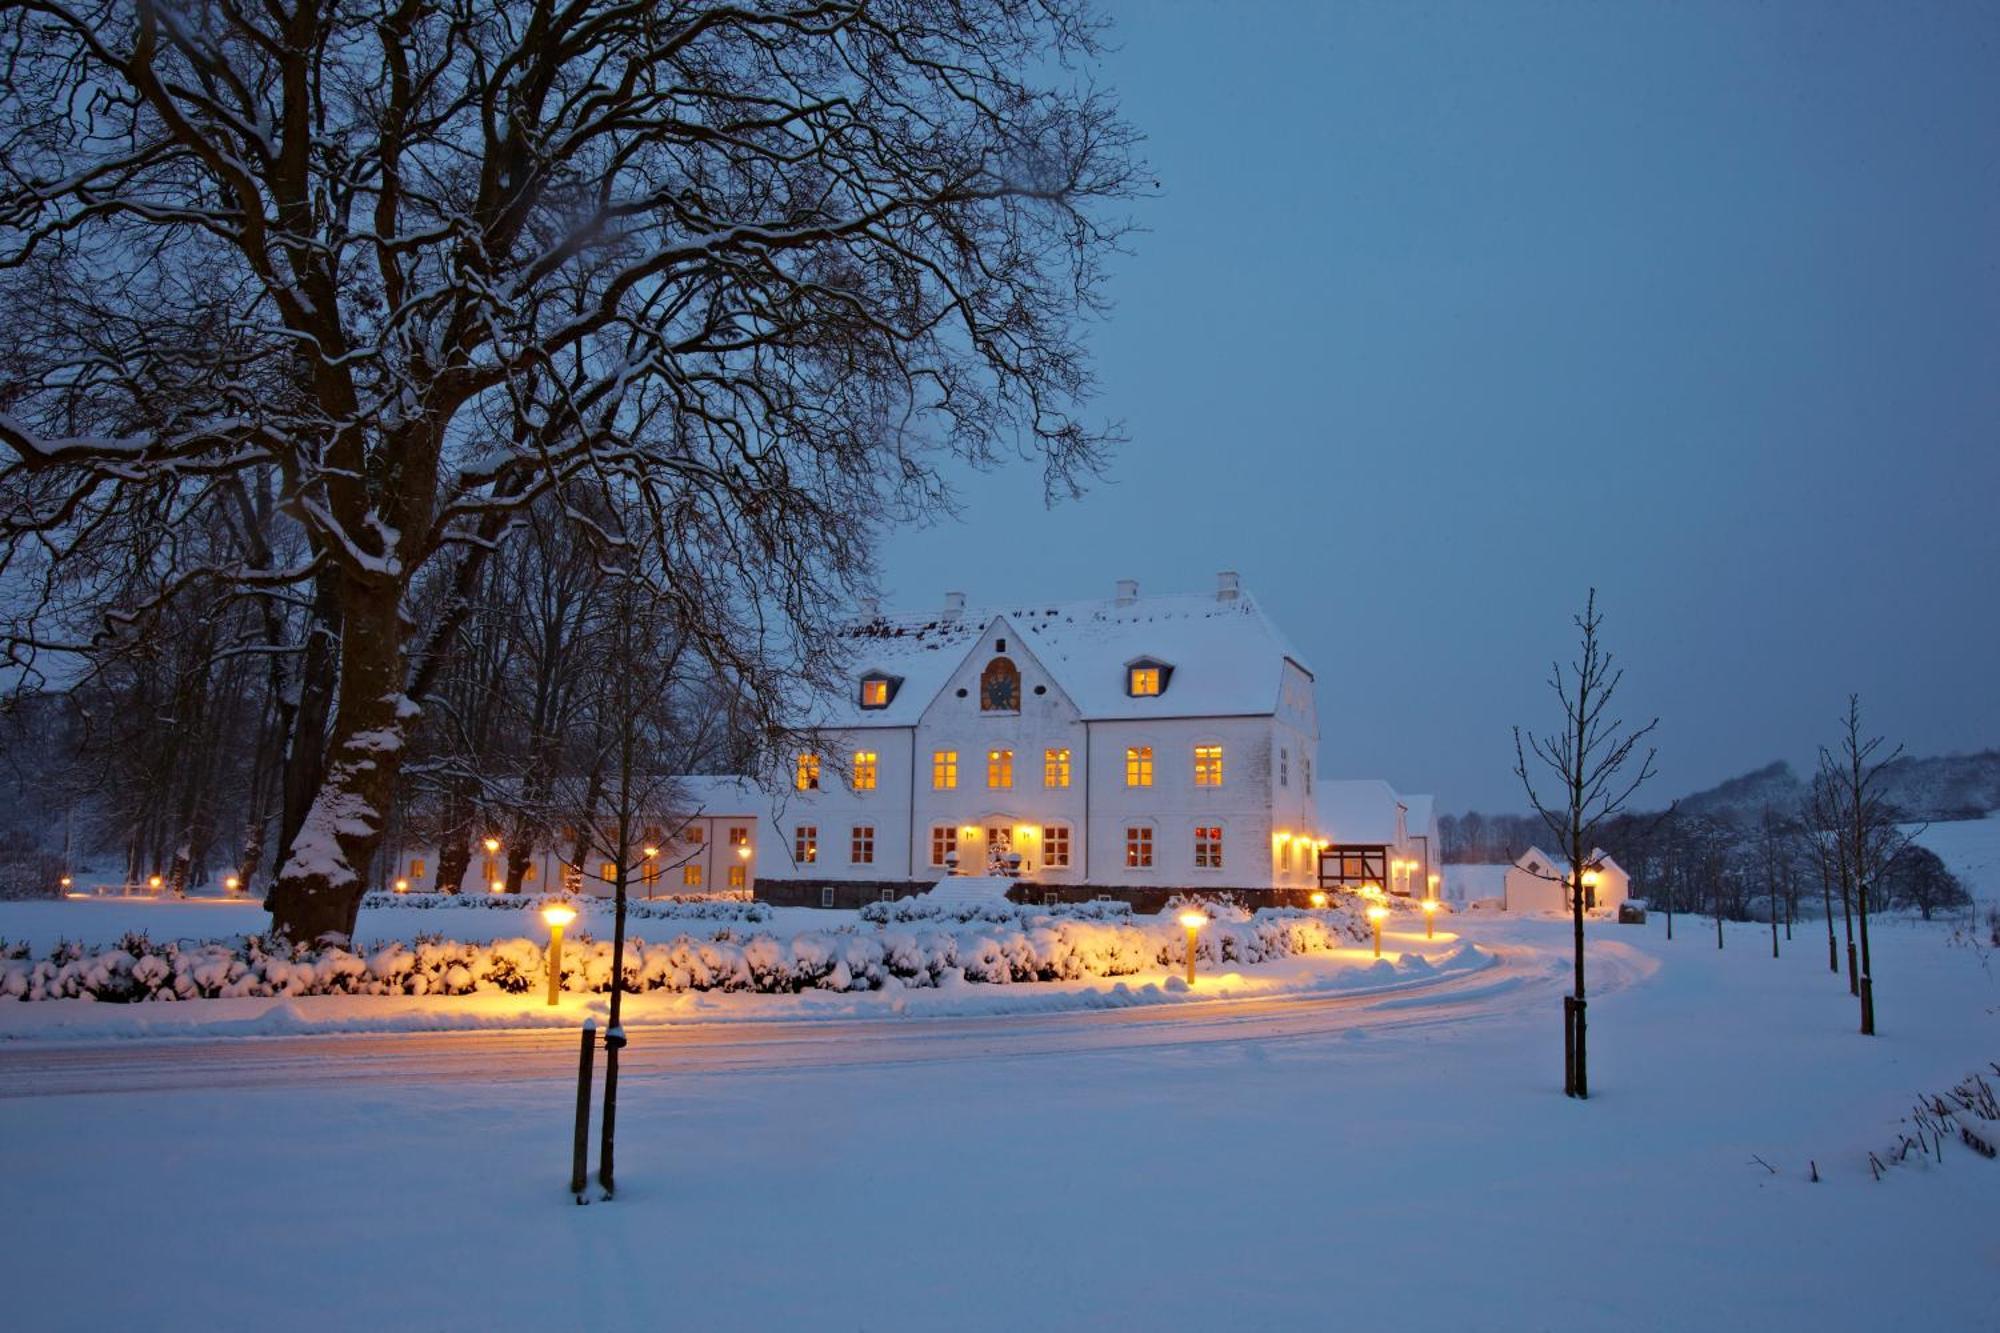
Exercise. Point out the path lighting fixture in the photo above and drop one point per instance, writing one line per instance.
(492, 845)
(1319, 898)
(402, 886)
(1430, 918)
(67, 881)
(497, 886)
(1375, 915)
(557, 915)
(232, 883)
(1194, 921)
(154, 881)
(652, 852)
(744, 851)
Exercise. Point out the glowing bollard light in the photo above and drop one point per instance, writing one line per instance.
(1430, 918)
(402, 886)
(1375, 915)
(557, 916)
(1194, 921)
(154, 882)
(1319, 898)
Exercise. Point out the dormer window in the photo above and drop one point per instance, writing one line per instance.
(1146, 677)
(878, 690)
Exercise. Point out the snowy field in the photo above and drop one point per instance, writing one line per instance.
(1970, 849)
(1402, 1160)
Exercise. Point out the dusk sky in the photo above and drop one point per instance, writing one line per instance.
(1446, 312)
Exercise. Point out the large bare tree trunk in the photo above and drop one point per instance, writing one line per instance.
(319, 890)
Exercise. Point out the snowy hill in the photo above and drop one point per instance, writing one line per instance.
(1940, 787)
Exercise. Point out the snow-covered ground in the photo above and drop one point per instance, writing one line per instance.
(1276, 1164)
(1970, 849)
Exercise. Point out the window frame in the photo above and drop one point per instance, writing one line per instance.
(1139, 847)
(1211, 764)
(1138, 767)
(1208, 846)
(867, 770)
(1056, 769)
(944, 770)
(805, 844)
(806, 772)
(861, 845)
(944, 842)
(1000, 762)
(1055, 836)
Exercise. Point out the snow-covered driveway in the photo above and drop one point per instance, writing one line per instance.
(1513, 977)
(1302, 1162)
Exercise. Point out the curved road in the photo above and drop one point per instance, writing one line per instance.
(1520, 979)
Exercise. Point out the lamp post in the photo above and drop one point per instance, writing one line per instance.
(402, 886)
(1375, 914)
(1430, 918)
(558, 916)
(1318, 898)
(651, 876)
(1194, 921)
(492, 846)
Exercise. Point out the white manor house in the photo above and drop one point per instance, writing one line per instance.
(1123, 745)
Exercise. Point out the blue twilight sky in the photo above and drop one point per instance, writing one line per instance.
(1447, 311)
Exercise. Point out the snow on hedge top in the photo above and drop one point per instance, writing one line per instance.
(1227, 656)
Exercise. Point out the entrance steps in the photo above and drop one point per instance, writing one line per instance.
(970, 890)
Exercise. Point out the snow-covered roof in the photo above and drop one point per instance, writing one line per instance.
(1598, 857)
(1419, 809)
(719, 795)
(1227, 656)
(1358, 811)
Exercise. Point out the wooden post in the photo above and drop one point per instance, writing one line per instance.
(579, 1167)
(1582, 1049)
(614, 1039)
(1569, 1046)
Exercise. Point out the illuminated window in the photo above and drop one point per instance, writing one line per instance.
(808, 774)
(1208, 847)
(693, 834)
(1208, 765)
(1055, 768)
(864, 770)
(738, 876)
(999, 768)
(875, 692)
(1055, 846)
(861, 847)
(691, 875)
(1143, 681)
(805, 844)
(944, 841)
(529, 872)
(739, 836)
(944, 770)
(416, 869)
(607, 872)
(1139, 766)
(1139, 848)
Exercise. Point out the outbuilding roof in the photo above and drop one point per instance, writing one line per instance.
(1358, 811)
(1227, 656)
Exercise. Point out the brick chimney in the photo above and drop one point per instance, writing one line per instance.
(1228, 587)
(1128, 592)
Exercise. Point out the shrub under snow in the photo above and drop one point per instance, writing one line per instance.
(678, 908)
(1037, 947)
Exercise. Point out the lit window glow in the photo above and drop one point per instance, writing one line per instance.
(1144, 681)
(864, 770)
(1055, 846)
(805, 844)
(999, 768)
(1139, 847)
(874, 692)
(944, 770)
(1139, 767)
(808, 772)
(1208, 765)
(1208, 847)
(1055, 768)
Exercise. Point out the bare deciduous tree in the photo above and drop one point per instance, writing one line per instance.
(1587, 764)
(413, 267)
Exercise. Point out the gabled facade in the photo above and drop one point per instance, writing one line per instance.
(1538, 882)
(1131, 743)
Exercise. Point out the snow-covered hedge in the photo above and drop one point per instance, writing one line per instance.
(906, 910)
(674, 908)
(1047, 949)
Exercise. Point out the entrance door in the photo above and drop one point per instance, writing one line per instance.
(999, 842)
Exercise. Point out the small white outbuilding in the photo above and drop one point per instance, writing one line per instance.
(1536, 883)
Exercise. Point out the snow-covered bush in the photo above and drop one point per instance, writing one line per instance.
(907, 910)
(1038, 947)
(719, 907)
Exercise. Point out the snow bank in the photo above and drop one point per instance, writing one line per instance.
(1035, 947)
